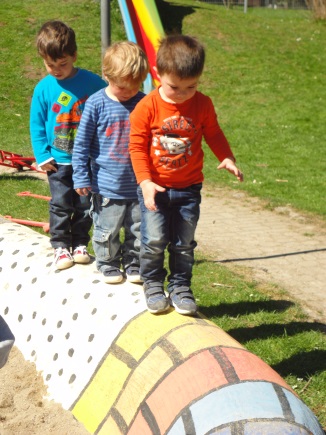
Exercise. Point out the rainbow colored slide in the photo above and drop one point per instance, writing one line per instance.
(143, 26)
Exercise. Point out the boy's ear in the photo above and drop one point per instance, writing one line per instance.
(155, 69)
(75, 56)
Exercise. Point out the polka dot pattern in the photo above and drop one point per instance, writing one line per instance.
(63, 321)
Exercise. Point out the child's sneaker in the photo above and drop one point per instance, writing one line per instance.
(62, 258)
(156, 300)
(132, 273)
(183, 300)
(80, 255)
(112, 275)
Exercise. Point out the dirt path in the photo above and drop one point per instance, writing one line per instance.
(281, 246)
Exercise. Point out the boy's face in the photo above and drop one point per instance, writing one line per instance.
(122, 90)
(62, 68)
(176, 90)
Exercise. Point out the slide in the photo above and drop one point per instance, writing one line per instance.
(143, 26)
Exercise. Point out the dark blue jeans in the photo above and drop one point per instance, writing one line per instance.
(70, 221)
(173, 227)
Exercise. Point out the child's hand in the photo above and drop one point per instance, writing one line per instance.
(83, 191)
(230, 166)
(49, 167)
(149, 191)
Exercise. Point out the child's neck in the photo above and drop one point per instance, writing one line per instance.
(109, 94)
(164, 97)
(73, 73)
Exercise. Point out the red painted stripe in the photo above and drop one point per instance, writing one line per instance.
(249, 367)
(142, 39)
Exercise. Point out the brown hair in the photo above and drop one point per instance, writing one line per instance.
(55, 39)
(127, 61)
(180, 55)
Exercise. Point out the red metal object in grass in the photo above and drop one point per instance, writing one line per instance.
(34, 195)
(17, 161)
(44, 225)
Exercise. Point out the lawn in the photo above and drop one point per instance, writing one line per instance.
(266, 74)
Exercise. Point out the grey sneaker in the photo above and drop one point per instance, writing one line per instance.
(183, 300)
(112, 275)
(155, 297)
(132, 273)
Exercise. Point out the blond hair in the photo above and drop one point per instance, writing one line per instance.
(125, 61)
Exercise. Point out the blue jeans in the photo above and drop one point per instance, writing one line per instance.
(109, 217)
(70, 222)
(172, 226)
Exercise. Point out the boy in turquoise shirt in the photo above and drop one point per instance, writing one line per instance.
(57, 104)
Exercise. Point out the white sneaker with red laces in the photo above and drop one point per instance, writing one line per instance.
(80, 255)
(62, 258)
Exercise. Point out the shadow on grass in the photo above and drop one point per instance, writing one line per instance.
(266, 257)
(22, 176)
(172, 16)
(265, 331)
(245, 308)
(303, 364)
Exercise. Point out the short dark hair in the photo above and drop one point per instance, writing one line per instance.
(181, 55)
(55, 39)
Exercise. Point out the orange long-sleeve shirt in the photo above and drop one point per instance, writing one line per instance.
(166, 139)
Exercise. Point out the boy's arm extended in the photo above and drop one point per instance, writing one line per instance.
(219, 144)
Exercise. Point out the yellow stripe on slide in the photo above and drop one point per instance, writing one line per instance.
(194, 338)
(150, 20)
(146, 330)
(110, 428)
(101, 393)
(141, 382)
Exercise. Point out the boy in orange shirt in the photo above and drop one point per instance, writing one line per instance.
(167, 128)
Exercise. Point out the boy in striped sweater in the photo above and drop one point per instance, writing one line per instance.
(102, 165)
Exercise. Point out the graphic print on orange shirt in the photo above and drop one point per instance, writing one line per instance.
(171, 144)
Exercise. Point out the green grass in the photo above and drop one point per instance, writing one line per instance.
(266, 74)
